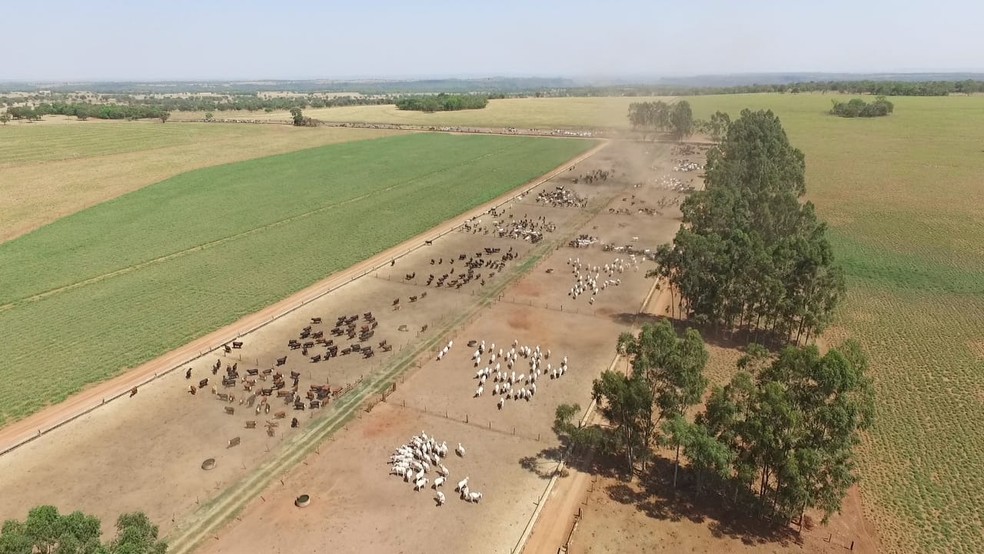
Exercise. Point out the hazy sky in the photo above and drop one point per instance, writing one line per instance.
(294, 39)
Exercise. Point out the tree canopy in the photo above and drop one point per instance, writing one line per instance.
(46, 531)
(779, 436)
(857, 107)
(676, 118)
(795, 422)
(443, 102)
(750, 255)
(670, 367)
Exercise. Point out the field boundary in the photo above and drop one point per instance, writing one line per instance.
(36, 426)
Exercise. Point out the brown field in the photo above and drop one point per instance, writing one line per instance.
(60, 166)
(144, 453)
(507, 112)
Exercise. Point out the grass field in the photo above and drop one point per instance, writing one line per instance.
(59, 166)
(904, 198)
(120, 283)
(510, 112)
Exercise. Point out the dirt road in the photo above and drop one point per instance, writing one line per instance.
(553, 524)
(35, 426)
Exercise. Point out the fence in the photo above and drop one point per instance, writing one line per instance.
(465, 418)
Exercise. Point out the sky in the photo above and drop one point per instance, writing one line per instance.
(92, 40)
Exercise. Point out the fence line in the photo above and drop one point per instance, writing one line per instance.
(466, 419)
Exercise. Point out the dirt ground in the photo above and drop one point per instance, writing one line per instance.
(145, 452)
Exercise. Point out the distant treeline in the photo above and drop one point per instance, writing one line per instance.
(857, 107)
(928, 84)
(85, 111)
(252, 102)
(443, 102)
(880, 88)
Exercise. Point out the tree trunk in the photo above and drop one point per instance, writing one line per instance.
(676, 465)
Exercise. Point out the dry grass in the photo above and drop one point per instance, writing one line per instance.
(50, 171)
(509, 112)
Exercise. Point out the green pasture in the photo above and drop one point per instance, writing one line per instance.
(118, 284)
(904, 197)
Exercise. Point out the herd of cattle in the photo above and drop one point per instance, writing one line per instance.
(501, 369)
(261, 387)
(413, 461)
(475, 267)
(590, 282)
(561, 197)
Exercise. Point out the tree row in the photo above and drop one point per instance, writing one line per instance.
(443, 102)
(779, 437)
(750, 256)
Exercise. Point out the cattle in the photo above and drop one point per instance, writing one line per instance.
(282, 360)
(237, 344)
(203, 383)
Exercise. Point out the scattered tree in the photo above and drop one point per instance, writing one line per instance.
(209, 117)
(859, 108)
(682, 119)
(47, 532)
(572, 433)
(718, 125)
(164, 116)
(4, 117)
(672, 368)
(626, 403)
(136, 534)
(298, 116)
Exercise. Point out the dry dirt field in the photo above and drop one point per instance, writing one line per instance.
(145, 452)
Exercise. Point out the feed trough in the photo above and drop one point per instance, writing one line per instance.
(302, 501)
(208, 464)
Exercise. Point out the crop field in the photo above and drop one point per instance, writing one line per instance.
(904, 200)
(115, 285)
(51, 169)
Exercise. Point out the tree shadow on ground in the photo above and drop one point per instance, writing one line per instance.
(738, 340)
(653, 494)
(544, 463)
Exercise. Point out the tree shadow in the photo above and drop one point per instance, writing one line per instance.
(544, 463)
(653, 494)
(738, 339)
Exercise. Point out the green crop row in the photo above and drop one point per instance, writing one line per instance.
(55, 345)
